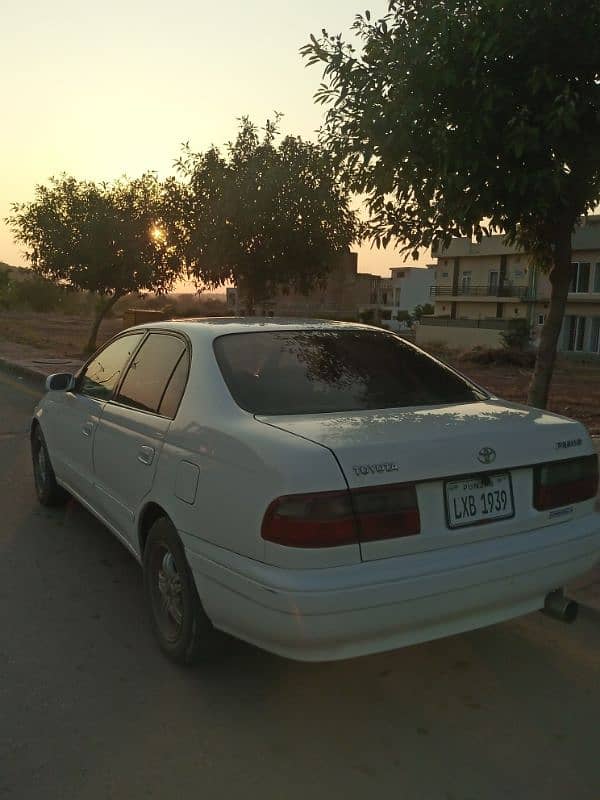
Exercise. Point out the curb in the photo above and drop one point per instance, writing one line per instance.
(22, 371)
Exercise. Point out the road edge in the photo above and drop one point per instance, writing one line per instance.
(22, 371)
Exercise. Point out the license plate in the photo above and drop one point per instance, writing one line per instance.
(471, 501)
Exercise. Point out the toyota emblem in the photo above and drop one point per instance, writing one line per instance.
(486, 455)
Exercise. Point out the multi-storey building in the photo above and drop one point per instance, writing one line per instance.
(480, 287)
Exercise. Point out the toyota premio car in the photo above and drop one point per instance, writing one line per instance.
(321, 490)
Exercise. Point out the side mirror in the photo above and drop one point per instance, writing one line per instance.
(60, 382)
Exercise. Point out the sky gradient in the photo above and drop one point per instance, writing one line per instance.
(102, 90)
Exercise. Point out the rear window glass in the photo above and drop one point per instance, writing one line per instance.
(317, 371)
(149, 373)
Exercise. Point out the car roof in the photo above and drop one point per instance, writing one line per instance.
(212, 327)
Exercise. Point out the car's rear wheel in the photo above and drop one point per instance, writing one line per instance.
(183, 630)
(48, 491)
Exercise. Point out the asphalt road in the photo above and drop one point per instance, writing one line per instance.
(90, 709)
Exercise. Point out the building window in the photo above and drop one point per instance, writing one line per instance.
(580, 277)
(400, 274)
(541, 318)
(445, 274)
(597, 278)
(595, 343)
(575, 333)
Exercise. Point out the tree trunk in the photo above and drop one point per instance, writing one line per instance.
(560, 278)
(101, 310)
(249, 305)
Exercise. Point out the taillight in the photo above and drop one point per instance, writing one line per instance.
(323, 519)
(331, 519)
(387, 512)
(561, 483)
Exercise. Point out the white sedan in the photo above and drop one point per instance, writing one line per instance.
(322, 490)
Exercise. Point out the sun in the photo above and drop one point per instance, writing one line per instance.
(158, 234)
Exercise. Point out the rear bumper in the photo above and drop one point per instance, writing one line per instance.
(341, 612)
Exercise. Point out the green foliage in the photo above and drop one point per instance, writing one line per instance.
(465, 117)
(110, 239)
(462, 117)
(33, 293)
(37, 294)
(367, 316)
(419, 311)
(505, 357)
(518, 335)
(265, 214)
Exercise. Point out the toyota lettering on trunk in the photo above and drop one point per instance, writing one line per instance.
(375, 469)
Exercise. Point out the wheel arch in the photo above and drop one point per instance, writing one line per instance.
(148, 516)
(35, 424)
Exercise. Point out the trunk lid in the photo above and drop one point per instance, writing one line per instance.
(428, 445)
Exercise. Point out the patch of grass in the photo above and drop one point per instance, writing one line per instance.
(499, 356)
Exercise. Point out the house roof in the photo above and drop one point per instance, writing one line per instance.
(585, 237)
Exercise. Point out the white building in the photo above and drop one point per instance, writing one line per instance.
(411, 287)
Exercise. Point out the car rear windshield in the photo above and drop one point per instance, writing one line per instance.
(319, 371)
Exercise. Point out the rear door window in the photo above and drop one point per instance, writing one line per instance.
(150, 372)
(317, 371)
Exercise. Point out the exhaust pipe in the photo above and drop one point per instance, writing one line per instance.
(558, 606)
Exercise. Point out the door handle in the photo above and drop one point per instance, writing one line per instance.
(87, 429)
(146, 455)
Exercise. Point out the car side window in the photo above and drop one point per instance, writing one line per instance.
(150, 372)
(174, 391)
(102, 374)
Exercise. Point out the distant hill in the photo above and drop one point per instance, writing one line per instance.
(15, 273)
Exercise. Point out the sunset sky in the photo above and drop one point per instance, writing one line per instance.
(99, 90)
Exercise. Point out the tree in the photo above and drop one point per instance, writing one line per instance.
(264, 215)
(465, 117)
(518, 335)
(422, 310)
(110, 238)
(37, 293)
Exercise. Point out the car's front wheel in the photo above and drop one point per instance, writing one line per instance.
(48, 491)
(183, 630)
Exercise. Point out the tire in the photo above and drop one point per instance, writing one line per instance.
(181, 627)
(49, 493)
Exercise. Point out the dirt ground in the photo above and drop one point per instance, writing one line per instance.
(60, 335)
(575, 389)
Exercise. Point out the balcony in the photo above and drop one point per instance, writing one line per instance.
(487, 324)
(483, 290)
